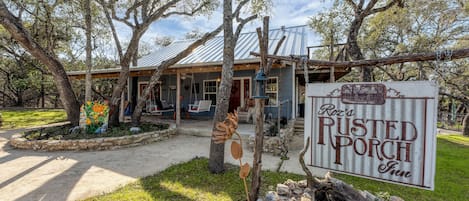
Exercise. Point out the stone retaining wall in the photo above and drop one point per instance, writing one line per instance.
(108, 143)
(275, 144)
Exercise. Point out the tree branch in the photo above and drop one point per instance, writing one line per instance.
(381, 9)
(113, 29)
(457, 54)
(191, 13)
(354, 5)
(241, 21)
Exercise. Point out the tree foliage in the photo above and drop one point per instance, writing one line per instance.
(419, 26)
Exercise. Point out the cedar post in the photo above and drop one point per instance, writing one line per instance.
(259, 140)
(178, 99)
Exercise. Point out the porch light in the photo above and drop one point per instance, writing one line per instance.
(260, 85)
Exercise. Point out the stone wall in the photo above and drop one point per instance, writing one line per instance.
(274, 144)
(108, 143)
(298, 191)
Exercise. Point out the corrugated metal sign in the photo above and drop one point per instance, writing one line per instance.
(382, 131)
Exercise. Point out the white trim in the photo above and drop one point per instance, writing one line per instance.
(216, 88)
(276, 92)
(241, 79)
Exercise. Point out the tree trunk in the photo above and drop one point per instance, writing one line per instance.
(17, 31)
(88, 81)
(465, 125)
(167, 63)
(123, 76)
(362, 11)
(217, 151)
(353, 49)
(136, 116)
(43, 93)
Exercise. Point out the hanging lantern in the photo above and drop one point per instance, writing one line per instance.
(260, 85)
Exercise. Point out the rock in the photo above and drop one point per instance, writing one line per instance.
(100, 131)
(74, 130)
(297, 191)
(271, 196)
(283, 189)
(290, 183)
(305, 197)
(135, 129)
(302, 184)
(308, 191)
(368, 196)
(395, 198)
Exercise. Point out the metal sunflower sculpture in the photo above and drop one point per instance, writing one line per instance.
(225, 131)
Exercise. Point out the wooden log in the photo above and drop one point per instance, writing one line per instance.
(431, 56)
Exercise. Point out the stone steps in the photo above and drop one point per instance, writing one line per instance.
(299, 127)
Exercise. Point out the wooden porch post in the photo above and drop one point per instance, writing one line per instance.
(178, 99)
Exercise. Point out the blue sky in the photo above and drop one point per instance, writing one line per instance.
(283, 13)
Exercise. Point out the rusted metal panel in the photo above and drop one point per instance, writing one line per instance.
(382, 131)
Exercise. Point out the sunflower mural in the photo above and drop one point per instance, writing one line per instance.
(94, 117)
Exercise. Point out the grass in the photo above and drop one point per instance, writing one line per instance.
(192, 181)
(451, 179)
(31, 117)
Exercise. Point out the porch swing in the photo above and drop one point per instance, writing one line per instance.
(156, 106)
(198, 105)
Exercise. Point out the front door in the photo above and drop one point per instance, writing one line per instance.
(235, 97)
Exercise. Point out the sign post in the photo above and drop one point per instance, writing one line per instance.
(381, 131)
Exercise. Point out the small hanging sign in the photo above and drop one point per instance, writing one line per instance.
(382, 131)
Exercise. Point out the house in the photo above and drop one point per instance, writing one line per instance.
(200, 73)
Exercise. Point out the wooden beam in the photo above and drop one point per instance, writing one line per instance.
(173, 71)
(456, 54)
(178, 100)
(317, 46)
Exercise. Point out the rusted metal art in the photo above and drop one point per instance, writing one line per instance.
(381, 131)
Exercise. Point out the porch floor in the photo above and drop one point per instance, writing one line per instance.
(199, 127)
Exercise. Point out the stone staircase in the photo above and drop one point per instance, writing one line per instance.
(299, 127)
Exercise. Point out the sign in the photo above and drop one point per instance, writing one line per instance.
(94, 117)
(381, 131)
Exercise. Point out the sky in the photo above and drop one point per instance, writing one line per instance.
(283, 13)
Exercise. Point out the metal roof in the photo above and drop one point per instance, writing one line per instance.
(211, 53)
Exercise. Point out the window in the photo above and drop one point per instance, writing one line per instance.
(271, 90)
(210, 90)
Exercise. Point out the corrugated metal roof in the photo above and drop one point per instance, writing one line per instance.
(212, 52)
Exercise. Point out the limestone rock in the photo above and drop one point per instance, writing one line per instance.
(306, 197)
(302, 184)
(395, 198)
(283, 189)
(368, 196)
(135, 129)
(272, 196)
